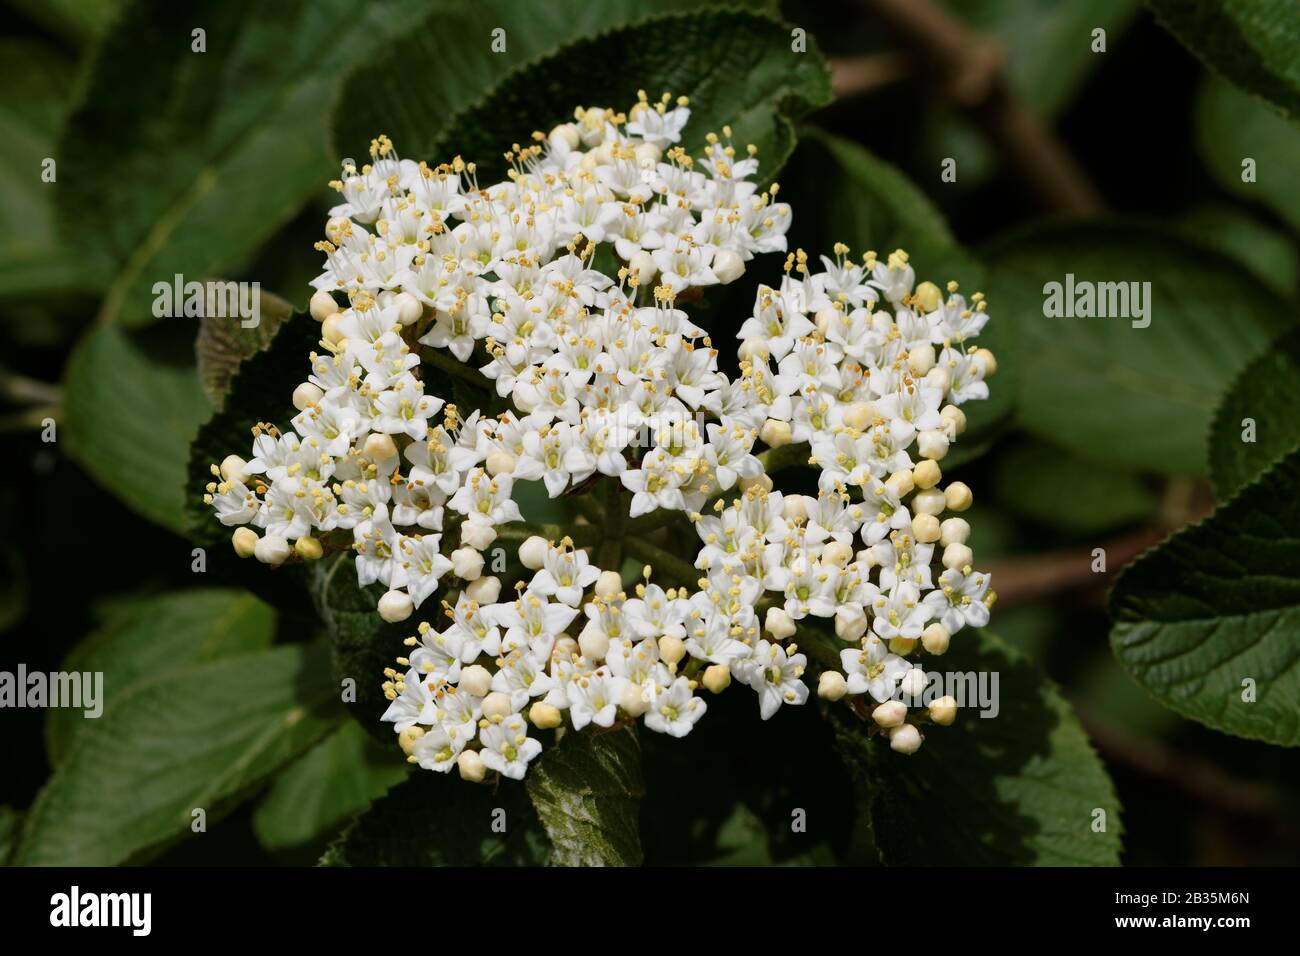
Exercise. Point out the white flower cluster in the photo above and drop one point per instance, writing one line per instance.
(607, 380)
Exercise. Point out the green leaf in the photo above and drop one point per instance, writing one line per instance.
(11, 822)
(1270, 255)
(1232, 127)
(1260, 399)
(1016, 789)
(736, 68)
(1046, 484)
(842, 193)
(142, 639)
(1218, 605)
(198, 738)
(1254, 43)
(1139, 398)
(334, 781)
(77, 20)
(131, 406)
(438, 819)
(587, 790)
(376, 99)
(208, 153)
(224, 343)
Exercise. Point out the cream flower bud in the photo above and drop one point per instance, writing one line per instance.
(232, 468)
(755, 349)
(890, 714)
(905, 739)
(860, 415)
(775, 433)
(594, 645)
(958, 496)
(850, 622)
(565, 647)
(931, 501)
(379, 447)
(928, 296)
(272, 549)
(935, 638)
(943, 711)
(932, 444)
(954, 530)
(532, 553)
(477, 536)
(609, 585)
(832, 685)
(633, 701)
(901, 482)
(471, 766)
(330, 330)
(990, 363)
(727, 266)
(957, 555)
(827, 318)
(939, 378)
(642, 268)
(778, 623)
(306, 395)
(475, 679)
(763, 481)
(322, 306)
(466, 563)
(309, 548)
(838, 553)
(920, 359)
(717, 678)
(407, 738)
(500, 463)
(954, 419)
(409, 308)
(496, 704)
(671, 649)
(795, 507)
(926, 474)
(647, 155)
(545, 716)
(913, 683)
(902, 646)
(245, 542)
(526, 396)
(395, 606)
(565, 136)
(484, 590)
(925, 528)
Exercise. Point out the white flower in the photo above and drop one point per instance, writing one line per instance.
(675, 711)
(872, 669)
(507, 748)
(776, 677)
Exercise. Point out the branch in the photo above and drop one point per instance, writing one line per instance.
(856, 76)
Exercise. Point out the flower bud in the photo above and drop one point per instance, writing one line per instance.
(932, 444)
(890, 714)
(647, 155)
(958, 496)
(309, 548)
(954, 418)
(925, 528)
(500, 463)
(565, 647)
(471, 766)
(754, 350)
(935, 638)
(927, 296)
(832, 685)
(990, 363)
(671, 649)
(920, 359)
(476, 680)
(774, 433)
(763, 481)
(322, 306)
(717, 678)
(943, 711)
(484, 590)
(905, 739)
(902, 646)
(477, 536)
(526, 396)
(939, 378)
(926, 474)
(642, 268)
(232, 468)
(409, 308)
(306, 395)
(954, 530)
(330, 330)
(931, 501)
(609, 585)
(633, 701)
(466, 563)
(245, 542)
(901, 482)
(913, 683)
(957, 556)
(827, 318)
(272, 549)
(532, 553)
(850, 623)
(594, 645)
(727, 266)
(564, 136)
(496, 704)
(407, 738)
(795, 507)
(545, 716)
(838, 553)
(395, 606)
(860, 415)
(379, 447)
(778, 623)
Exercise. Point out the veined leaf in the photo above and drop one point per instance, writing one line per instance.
(1253, 426)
